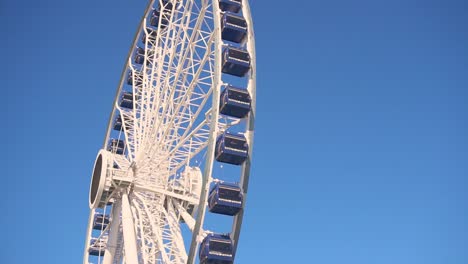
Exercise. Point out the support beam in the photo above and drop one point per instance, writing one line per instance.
(113, 233)
(88, 236)
(140, 187)
(128, 228)
(187, 218)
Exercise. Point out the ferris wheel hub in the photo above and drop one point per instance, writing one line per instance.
(99, 191)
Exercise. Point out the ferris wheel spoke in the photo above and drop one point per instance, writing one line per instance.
(153, 231)
(156, 71)
(170, 138)
(188, 218)
(197, 113)
(138, 81)
(167, 93)
(146, 188)
(162, 51)
(121, 161)
(177, 247)
(194, 143)
(179, 116)
(190, 145)
(196, 96)
(128, 130)
(143, 241)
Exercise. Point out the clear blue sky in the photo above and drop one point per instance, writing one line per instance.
(361, 152)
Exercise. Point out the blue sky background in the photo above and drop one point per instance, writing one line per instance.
(361, 152)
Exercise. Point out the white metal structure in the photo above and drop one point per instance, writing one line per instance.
(155, 177)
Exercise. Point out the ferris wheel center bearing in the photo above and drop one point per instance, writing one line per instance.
(105, 179)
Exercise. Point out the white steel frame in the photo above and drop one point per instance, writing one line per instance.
(171, 122)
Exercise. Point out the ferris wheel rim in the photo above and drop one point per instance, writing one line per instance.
(215, 106)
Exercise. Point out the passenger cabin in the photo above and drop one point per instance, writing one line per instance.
(232, 149)
(235, 102)
(100, 221)
(230, 5)
(117, 146)
(137, 76)
(167, 5)
(152, 34)
(118, 123)
(139, 56)
(236, 61)
(97, 247)
(225, 199)
(165, 17)
(216, 249)
(126, 100)
(233, 27)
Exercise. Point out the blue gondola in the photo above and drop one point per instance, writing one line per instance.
(126, 100)
(100, 221)
(235, 102)
(116, 145)
(166, 4)
(233, 27)
(230, 5)
(225, 198)
(166, 15)
(138, 78)
(96, 251)
(236, 61)
(216, 249)
(139, 57)
(118, 123)
(232, 149)
(152, 34)
(97, 247)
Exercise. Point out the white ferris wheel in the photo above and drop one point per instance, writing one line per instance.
(170, 182)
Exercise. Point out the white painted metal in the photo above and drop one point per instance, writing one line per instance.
(112, 243)
(156, 184)
(88, 236)
(249, 134)
(128, 228)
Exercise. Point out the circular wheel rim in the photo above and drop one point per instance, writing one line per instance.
(134, 157)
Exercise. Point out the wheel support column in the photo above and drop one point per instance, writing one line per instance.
(114, 233)
(131, 253)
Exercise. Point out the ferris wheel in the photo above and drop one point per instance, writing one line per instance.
(170, 182)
